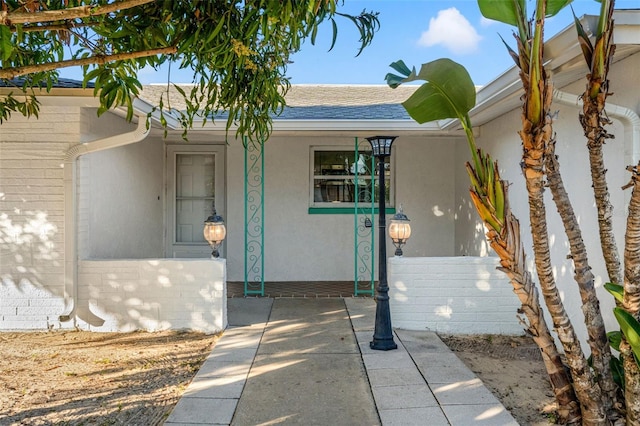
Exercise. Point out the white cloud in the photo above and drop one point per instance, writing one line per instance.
(451, 30)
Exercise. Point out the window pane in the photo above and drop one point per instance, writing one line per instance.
(195, 192)
(332, 162)
(334, 178)
(190, 217)
(195, 175)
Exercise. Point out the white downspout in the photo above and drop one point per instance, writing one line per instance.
(629, 118)
(70, 205)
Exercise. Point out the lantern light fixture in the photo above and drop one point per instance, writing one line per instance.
(214, 232)
(399, 230)
(381, 145)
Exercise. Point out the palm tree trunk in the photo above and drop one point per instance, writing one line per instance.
(506, 242)
(591, 122)
(593, 119)
(535, 139)
(631, 300)
(514, 266)
(598, 341)
(631, 384)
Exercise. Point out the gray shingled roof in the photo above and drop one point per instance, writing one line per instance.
(345, 112)
(63, 83)
(304, 102)
(319, 102)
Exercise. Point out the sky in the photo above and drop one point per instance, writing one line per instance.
(416, 31)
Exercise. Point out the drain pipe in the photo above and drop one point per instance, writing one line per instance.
(70, 205)
(629, 118)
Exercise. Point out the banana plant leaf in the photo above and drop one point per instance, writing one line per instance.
(448, 92)
(616, 291)
(630, 328)
(512, 11)
(506, 11)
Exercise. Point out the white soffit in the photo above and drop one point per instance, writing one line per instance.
(564, 62)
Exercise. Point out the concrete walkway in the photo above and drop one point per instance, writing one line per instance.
(308, 362)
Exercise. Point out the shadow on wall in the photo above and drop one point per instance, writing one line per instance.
(463, 295)
(31, 270)
(470, 238)
(153, 294)
(26, 247)
(113, 295)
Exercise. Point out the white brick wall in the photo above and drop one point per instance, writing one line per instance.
(114, 295)
(152, 294)
(459, 295)
(31, 216)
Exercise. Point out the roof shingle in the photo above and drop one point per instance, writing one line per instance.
(318, 102)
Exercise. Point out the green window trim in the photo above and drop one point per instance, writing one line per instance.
(344, 210)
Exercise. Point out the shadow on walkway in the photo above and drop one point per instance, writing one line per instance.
(300, 361)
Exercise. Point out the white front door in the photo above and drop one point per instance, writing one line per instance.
(195, 185)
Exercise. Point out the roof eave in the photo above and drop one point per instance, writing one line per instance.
(561, 52)
(311, 125)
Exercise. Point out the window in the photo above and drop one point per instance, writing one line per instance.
(195, 195)
(342, 177)
(195, 183)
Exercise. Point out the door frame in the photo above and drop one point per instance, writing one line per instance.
(198, 250)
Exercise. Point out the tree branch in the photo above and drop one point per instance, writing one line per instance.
(7, 18)
(10, 73)
(66, 26)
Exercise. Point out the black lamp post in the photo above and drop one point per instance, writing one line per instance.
(383, 334)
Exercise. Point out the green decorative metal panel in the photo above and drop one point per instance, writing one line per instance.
(345, 210)
(364, 240)
(253, 218)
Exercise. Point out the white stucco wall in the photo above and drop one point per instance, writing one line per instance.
(501, 140)
(120, 195)
(152, 294)
(458, 295)
(469, 230)
(300, 246)
(122, 217)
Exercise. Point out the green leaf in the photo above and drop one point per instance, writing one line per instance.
(616, 290)
(506, 11)
(512, 11)
(630, 328)
(402, 68)
(555, 6)
(334, 27)
(615, 337)
(6, 47)
(512, 53)
(448, 92)
(583, 39)
(617, 371)
(180, 90)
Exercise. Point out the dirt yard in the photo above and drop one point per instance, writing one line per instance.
(511, 367)
(81, 378)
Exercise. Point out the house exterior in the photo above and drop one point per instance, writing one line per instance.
(101, 220)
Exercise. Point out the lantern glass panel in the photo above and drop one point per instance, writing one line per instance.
(214, 232)
(399, 230)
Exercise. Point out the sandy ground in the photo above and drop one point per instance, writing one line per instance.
(81, 378)
(511, 367)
